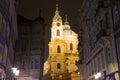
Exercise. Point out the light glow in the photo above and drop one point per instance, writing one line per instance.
(96, 76)
(99, 74)
(15, 71)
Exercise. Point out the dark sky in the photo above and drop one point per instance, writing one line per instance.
(30, 9)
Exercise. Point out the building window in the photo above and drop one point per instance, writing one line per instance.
(66, 64)
(0, 53)
(118, 46)
(22, 64)
(102, 60)
(67, 71)
(58, 66)
(58, 32)
(95, 64)
(99, 64)
(37, 65)
(32, 64)
(115, 14)
(71, 46)
(92, 67)
(58, 49)
(109, 55)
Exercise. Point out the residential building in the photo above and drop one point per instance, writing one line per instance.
(29, 56)
(98, 51)
(8, 37)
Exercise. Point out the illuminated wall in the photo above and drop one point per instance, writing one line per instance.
(63, 53)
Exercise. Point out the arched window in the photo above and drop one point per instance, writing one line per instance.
(58, 32)
(58, 66)
(58, 49)
(71, 46)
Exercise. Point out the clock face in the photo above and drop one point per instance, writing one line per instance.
(58, 24)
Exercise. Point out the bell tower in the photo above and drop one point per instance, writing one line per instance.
(57, 25)
(63, 53)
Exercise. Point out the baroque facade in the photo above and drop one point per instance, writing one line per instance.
(63, 51)
(8, 37)
(97, 47)
(30, 48)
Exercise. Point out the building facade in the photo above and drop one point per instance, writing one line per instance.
(30, 48)
(115, 7)
(63, 51)
(97, 41)
(8, 36)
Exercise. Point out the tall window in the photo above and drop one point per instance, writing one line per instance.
(115, 14)
(22, 64)
(58, 66)
(58, 49)
(0, 52)
(118, 47)
(32, 64)
(37, 65)
(109, 55)
(102, 60)
(58, 32)
(71, 46)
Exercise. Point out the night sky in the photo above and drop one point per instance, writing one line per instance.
(31, 9)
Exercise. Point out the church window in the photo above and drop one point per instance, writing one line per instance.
(66, 64)
(58, 33)
(58, 49)
(71, 46)
(58, 66)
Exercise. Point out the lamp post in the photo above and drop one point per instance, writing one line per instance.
(15, 72)
(97, 76)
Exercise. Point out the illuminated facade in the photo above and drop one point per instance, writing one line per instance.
(63, 50)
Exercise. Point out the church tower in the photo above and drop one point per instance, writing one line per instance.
(57, 28)
(63, 50)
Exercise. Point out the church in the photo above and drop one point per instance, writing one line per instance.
(63, 51)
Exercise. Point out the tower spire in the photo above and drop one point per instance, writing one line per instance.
(66, 20)
(57, 11)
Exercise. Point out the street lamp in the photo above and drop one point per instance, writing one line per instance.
(15, 71)
(97, 76)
